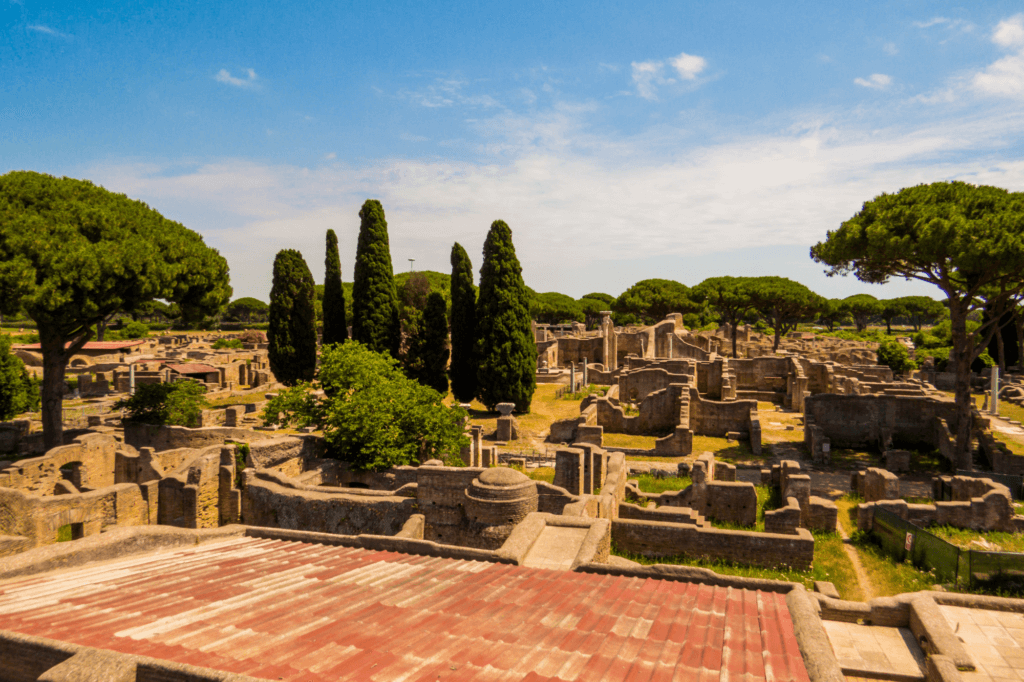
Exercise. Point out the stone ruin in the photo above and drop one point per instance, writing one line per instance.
(978, 504)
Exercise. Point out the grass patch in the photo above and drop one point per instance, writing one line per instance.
(544, 409)
(655, 485)
(846, 458)
(546, 474)
(830, 563)
(230, 400)
(962, 538)
(725, 450)
(64, 533)
(625, 440)
(1011, 444)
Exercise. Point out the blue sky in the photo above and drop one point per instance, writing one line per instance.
(620, 141)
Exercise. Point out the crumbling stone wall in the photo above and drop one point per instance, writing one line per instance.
(172, 437)
(979, 504)
(266, 503)
(879, 421)
(771, 550)
(92, 455)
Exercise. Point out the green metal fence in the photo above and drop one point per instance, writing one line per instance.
(903, 540)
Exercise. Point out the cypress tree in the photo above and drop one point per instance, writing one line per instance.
(463, 295)
(335, 326)
(505, 347)
(292, 330)
(374, 301)
(428, 349)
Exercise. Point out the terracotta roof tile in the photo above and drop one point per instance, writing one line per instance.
(300, 611)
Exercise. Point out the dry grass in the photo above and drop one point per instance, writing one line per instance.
(624, 440)
(544, 409)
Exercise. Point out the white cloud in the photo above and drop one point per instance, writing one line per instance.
(564, 189)
(949, 24)
(647, 75)
(934, 21)
(890, 48)
(688, 66)
(1005, 76)
(877, 81)
(1010, 32)
(39, 28)
(330, 156)
(249, 82)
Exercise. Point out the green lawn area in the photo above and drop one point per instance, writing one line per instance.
(546, 474)
(654, 485)
(962, 538)
(624, 440)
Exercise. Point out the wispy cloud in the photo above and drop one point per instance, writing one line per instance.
(648, 75)
(562, 186)
(877, 81)
(248, 82)
(934, 21)
(447, 92)
(40, 28)
(961, 25)
(890, 49)
(409, 137)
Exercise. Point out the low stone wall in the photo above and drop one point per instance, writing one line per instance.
(266, 503)
(170, 437)
(986, 505)
(770, 550)
(879, 421)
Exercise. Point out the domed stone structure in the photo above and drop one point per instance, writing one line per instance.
(497, 500)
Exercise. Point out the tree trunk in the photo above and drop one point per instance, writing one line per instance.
(961, 357)
(778, 336)
(1001, 350)
(54, 363)
(1018, 323)
(888, 327)
(101, 327)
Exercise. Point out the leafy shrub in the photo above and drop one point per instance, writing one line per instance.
(894, 354)
(227, 343)
(252, 336)
(177, 404)
(135, 330)
(18, 391)
(371, 414)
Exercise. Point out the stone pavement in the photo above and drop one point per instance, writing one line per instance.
(556, 548)
(876, 652)
(995, 639)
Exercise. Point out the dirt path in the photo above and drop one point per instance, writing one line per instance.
(866, 587)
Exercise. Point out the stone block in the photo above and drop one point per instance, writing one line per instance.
(507, 428)
(897, 461)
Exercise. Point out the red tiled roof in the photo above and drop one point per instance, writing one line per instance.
(89, 345)
(298, 611)
(191, 368)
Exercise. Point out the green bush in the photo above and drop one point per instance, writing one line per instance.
(371, 414)
(135, 330)
(18, 391)
(177, 404)
(227, 343)
(894, 354)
